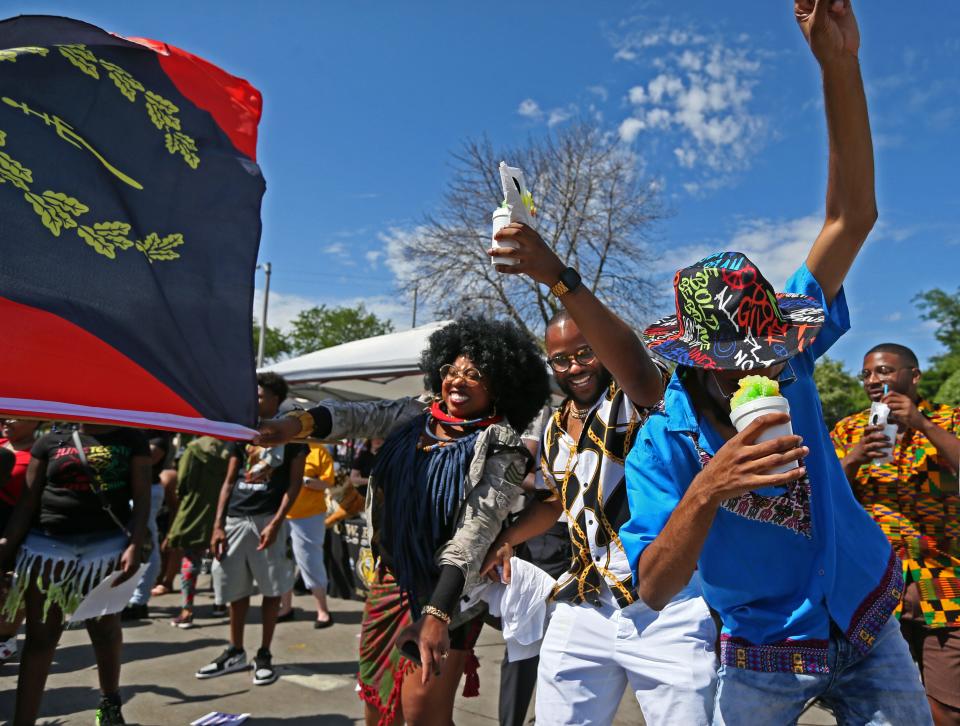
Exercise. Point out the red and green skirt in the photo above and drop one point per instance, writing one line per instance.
(382, 667)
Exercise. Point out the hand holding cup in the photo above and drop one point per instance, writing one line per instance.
(744, 463)
(527, 253)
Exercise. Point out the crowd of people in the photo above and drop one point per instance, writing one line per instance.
(725, 575)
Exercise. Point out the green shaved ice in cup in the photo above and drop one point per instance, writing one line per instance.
(756, 397)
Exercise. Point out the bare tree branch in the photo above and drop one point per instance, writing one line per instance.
(593, 207)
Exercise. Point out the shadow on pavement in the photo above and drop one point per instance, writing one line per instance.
(64, 701)
(342, 668)
(177, 697)
(327, 719)
(75, 657)
(341, 617)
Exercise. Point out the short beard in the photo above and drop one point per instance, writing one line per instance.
(603, 380)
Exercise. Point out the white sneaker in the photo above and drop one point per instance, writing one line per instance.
(263, 672)
(229, 661)
(8, 649)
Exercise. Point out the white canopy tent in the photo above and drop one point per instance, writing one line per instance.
(385, 366)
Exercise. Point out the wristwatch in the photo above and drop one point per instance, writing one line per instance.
(568, 282)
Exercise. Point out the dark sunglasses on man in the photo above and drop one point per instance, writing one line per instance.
(562, 361)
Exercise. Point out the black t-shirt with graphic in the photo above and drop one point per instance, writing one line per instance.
(261, 497)
(68, 504)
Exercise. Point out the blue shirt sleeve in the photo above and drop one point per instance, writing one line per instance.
(652, 491)
(837, 316)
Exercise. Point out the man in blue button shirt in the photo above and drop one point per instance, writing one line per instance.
(803, 579)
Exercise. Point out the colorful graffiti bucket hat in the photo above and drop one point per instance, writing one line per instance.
(729, 318)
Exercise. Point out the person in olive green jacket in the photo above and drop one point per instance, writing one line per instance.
(200, 475)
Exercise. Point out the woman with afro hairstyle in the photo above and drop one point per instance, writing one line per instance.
(444, 481)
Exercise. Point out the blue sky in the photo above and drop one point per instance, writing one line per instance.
(364, 101)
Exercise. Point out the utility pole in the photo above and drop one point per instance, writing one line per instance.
(263, 316)
(416, 289)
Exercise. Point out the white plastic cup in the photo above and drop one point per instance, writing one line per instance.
(501, 218)
(890, 431)
(743, 416)
(879, 416)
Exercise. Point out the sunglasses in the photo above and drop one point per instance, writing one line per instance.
(562, 361)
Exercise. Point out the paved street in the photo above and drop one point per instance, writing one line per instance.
(316, 686)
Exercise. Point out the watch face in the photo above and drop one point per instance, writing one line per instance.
(570, 278)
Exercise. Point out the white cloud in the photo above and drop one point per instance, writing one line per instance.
(776, 247)
(529, 108)
(664, 85)
(559, 115)
(599, 91)
(637, 95)
(687, 157)
(658, 118)
(283, 307)
(629, 129)
(699, 94)
(690, 61)
(373, 256)
(397, 240)
(337, 248)
(894, 317)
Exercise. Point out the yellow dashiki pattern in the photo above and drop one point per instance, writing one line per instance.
(915, 500)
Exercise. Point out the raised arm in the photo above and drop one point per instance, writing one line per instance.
(830, 28)
(615, 343)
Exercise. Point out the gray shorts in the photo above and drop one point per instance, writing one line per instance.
(243, 569)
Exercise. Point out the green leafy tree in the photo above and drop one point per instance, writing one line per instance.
(322, 327)
(943, 309)
(949, 392)
(275, 346)
(841, 394)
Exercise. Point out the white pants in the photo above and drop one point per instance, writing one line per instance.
(590, 654)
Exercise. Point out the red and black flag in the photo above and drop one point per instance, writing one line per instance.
(129, 227)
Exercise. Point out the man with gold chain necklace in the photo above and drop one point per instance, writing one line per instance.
(601, 636)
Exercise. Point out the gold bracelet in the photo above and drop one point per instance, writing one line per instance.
(559, 289)
(437, 613)
(307, 423)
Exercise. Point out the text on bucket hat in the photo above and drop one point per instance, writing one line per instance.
(729, 317)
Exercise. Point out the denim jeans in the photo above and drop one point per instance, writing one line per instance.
(141, 596)
(882, 688)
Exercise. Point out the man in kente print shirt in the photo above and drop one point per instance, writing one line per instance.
(914, 498)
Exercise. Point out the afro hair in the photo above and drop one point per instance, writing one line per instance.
(506, 355)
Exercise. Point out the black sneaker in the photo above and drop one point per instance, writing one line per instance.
(219, 611)
(229, 661)
(108, 712)
(134, 612)
(263, 672)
